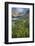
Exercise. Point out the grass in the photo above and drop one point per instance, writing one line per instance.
(20, 29)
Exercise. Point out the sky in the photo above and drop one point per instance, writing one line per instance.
(20, 10)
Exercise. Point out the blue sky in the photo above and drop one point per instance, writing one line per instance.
(20, 10)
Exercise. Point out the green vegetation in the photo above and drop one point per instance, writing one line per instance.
(20, 29)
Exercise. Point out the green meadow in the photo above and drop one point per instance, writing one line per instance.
(20, 28)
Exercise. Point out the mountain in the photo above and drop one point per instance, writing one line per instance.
(24, 14)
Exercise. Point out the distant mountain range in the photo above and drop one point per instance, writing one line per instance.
(21, 17)
(20, 14)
